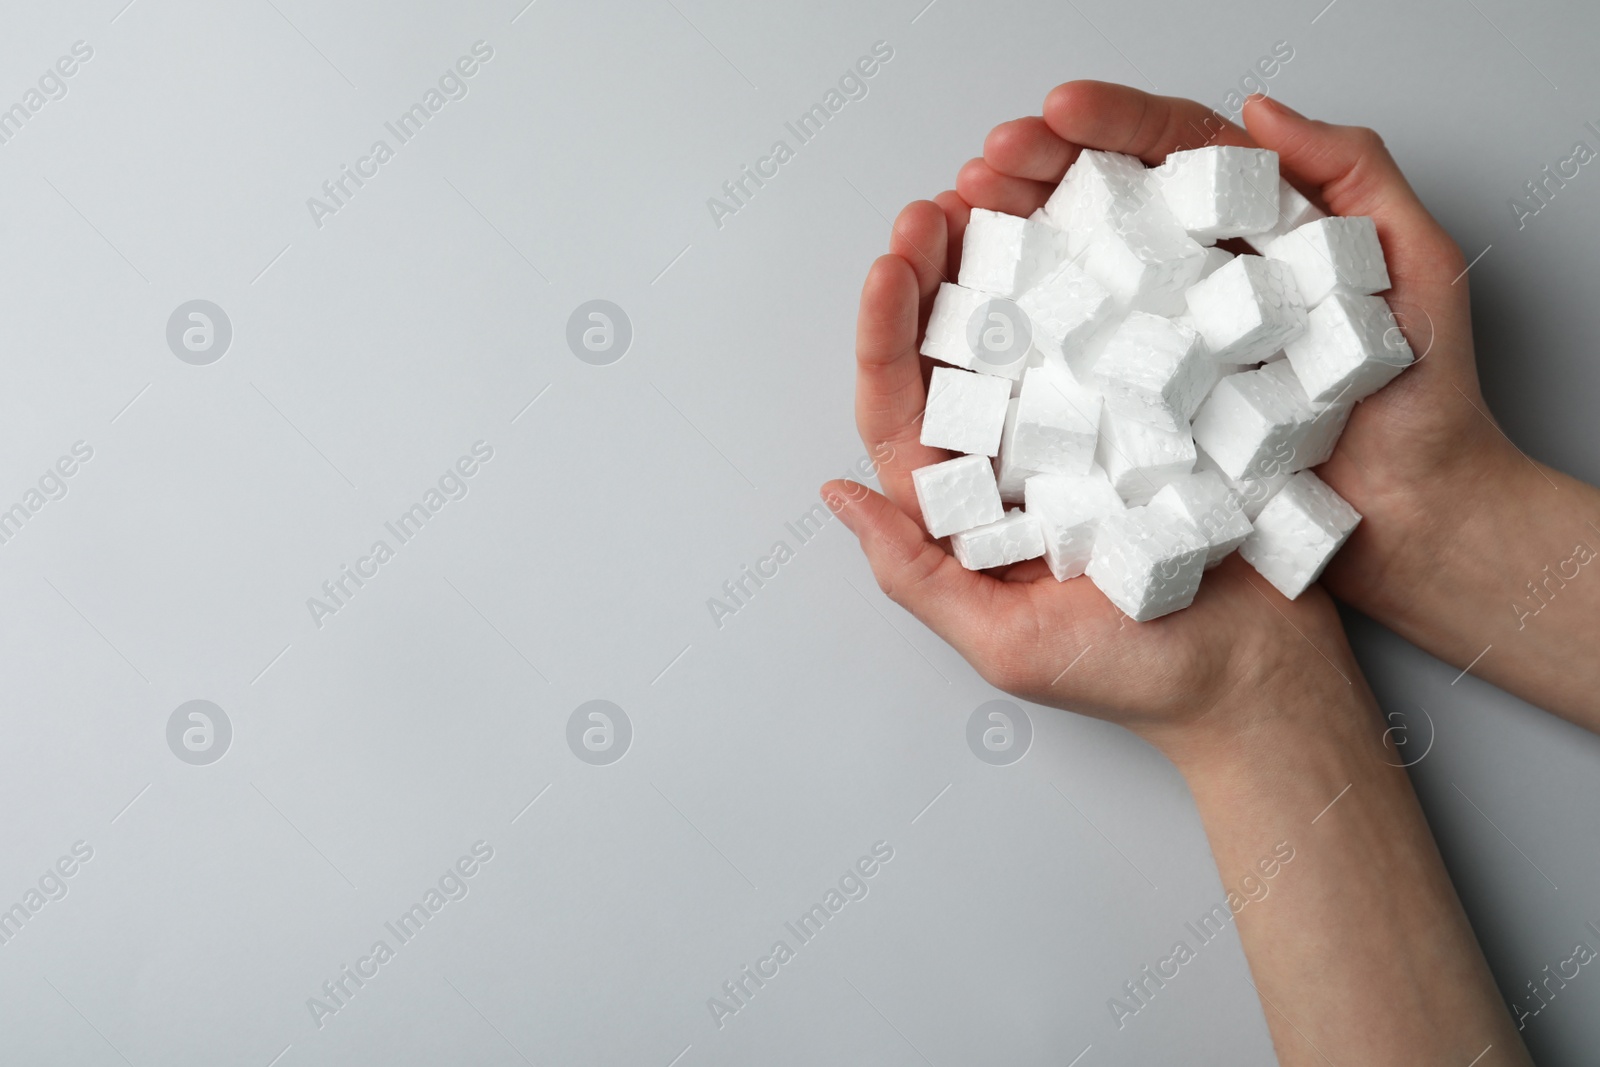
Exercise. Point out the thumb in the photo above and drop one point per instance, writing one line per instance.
(914, 572)
(1355, 175)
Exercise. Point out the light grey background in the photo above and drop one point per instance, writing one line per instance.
(767, 754)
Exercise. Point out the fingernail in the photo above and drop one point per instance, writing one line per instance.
(1280, 107)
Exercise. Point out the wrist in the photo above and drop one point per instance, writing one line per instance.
(1295, 688)
(1429, 525)
(1297, 753)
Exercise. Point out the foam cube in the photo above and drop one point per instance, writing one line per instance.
(1297, 533)
(1140, 458)
(1147, 562)
(1098, 188)
(946, 337)
(1082, 360)
(1205, 500)
(1153, 369)
(1328, 254)
(1145, 259)
(1069, 508)
(1065, 307)
(1294, 211)
(1006, 254)
(1220, 191)
(1352, 347)
(965, 411)
(1247, 310)
(1012, 539)
(978, 331)
(1326, 427)
(1010, 476)
(957, 495)
(1057, 421)
(1215, 259)
(1251, 425)
(1251, 493)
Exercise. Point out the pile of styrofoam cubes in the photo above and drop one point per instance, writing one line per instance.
(1154, 401)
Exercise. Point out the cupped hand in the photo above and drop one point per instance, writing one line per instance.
(1057, 643)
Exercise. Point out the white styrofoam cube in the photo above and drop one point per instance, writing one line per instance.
(946, 338)
(1323, 435)
(1069, 508)
(1251, 425)
(1010, 476)
(1297, 533)
(957, 495)
(1082, 360)
(1294, 211)
(1205, 500)
(965, 411)
(1006, 254)
(1147, 561)
(1012, 539)
(1216, 258)
(1153, 369)
(1145, 259)
(1098, 187)
(1219, 190)
(1251, 493)
(1247, 310)
(1057, 421)
(1035, 358)
(1337, 253)
(978, 331)
(1214, 373)
(1065, 307)
(1140, 458)
(1352, 347)
(1000, 337)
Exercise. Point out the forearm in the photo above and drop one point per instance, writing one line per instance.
(1357, 944)
(1504, 581)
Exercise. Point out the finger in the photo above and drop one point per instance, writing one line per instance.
(913, 571)
(1117, 118)
(982, 186)
(1357, 176)
(918, 237)
(956, 213)
(1029, 570)
(1028, 148)
(889, 390)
